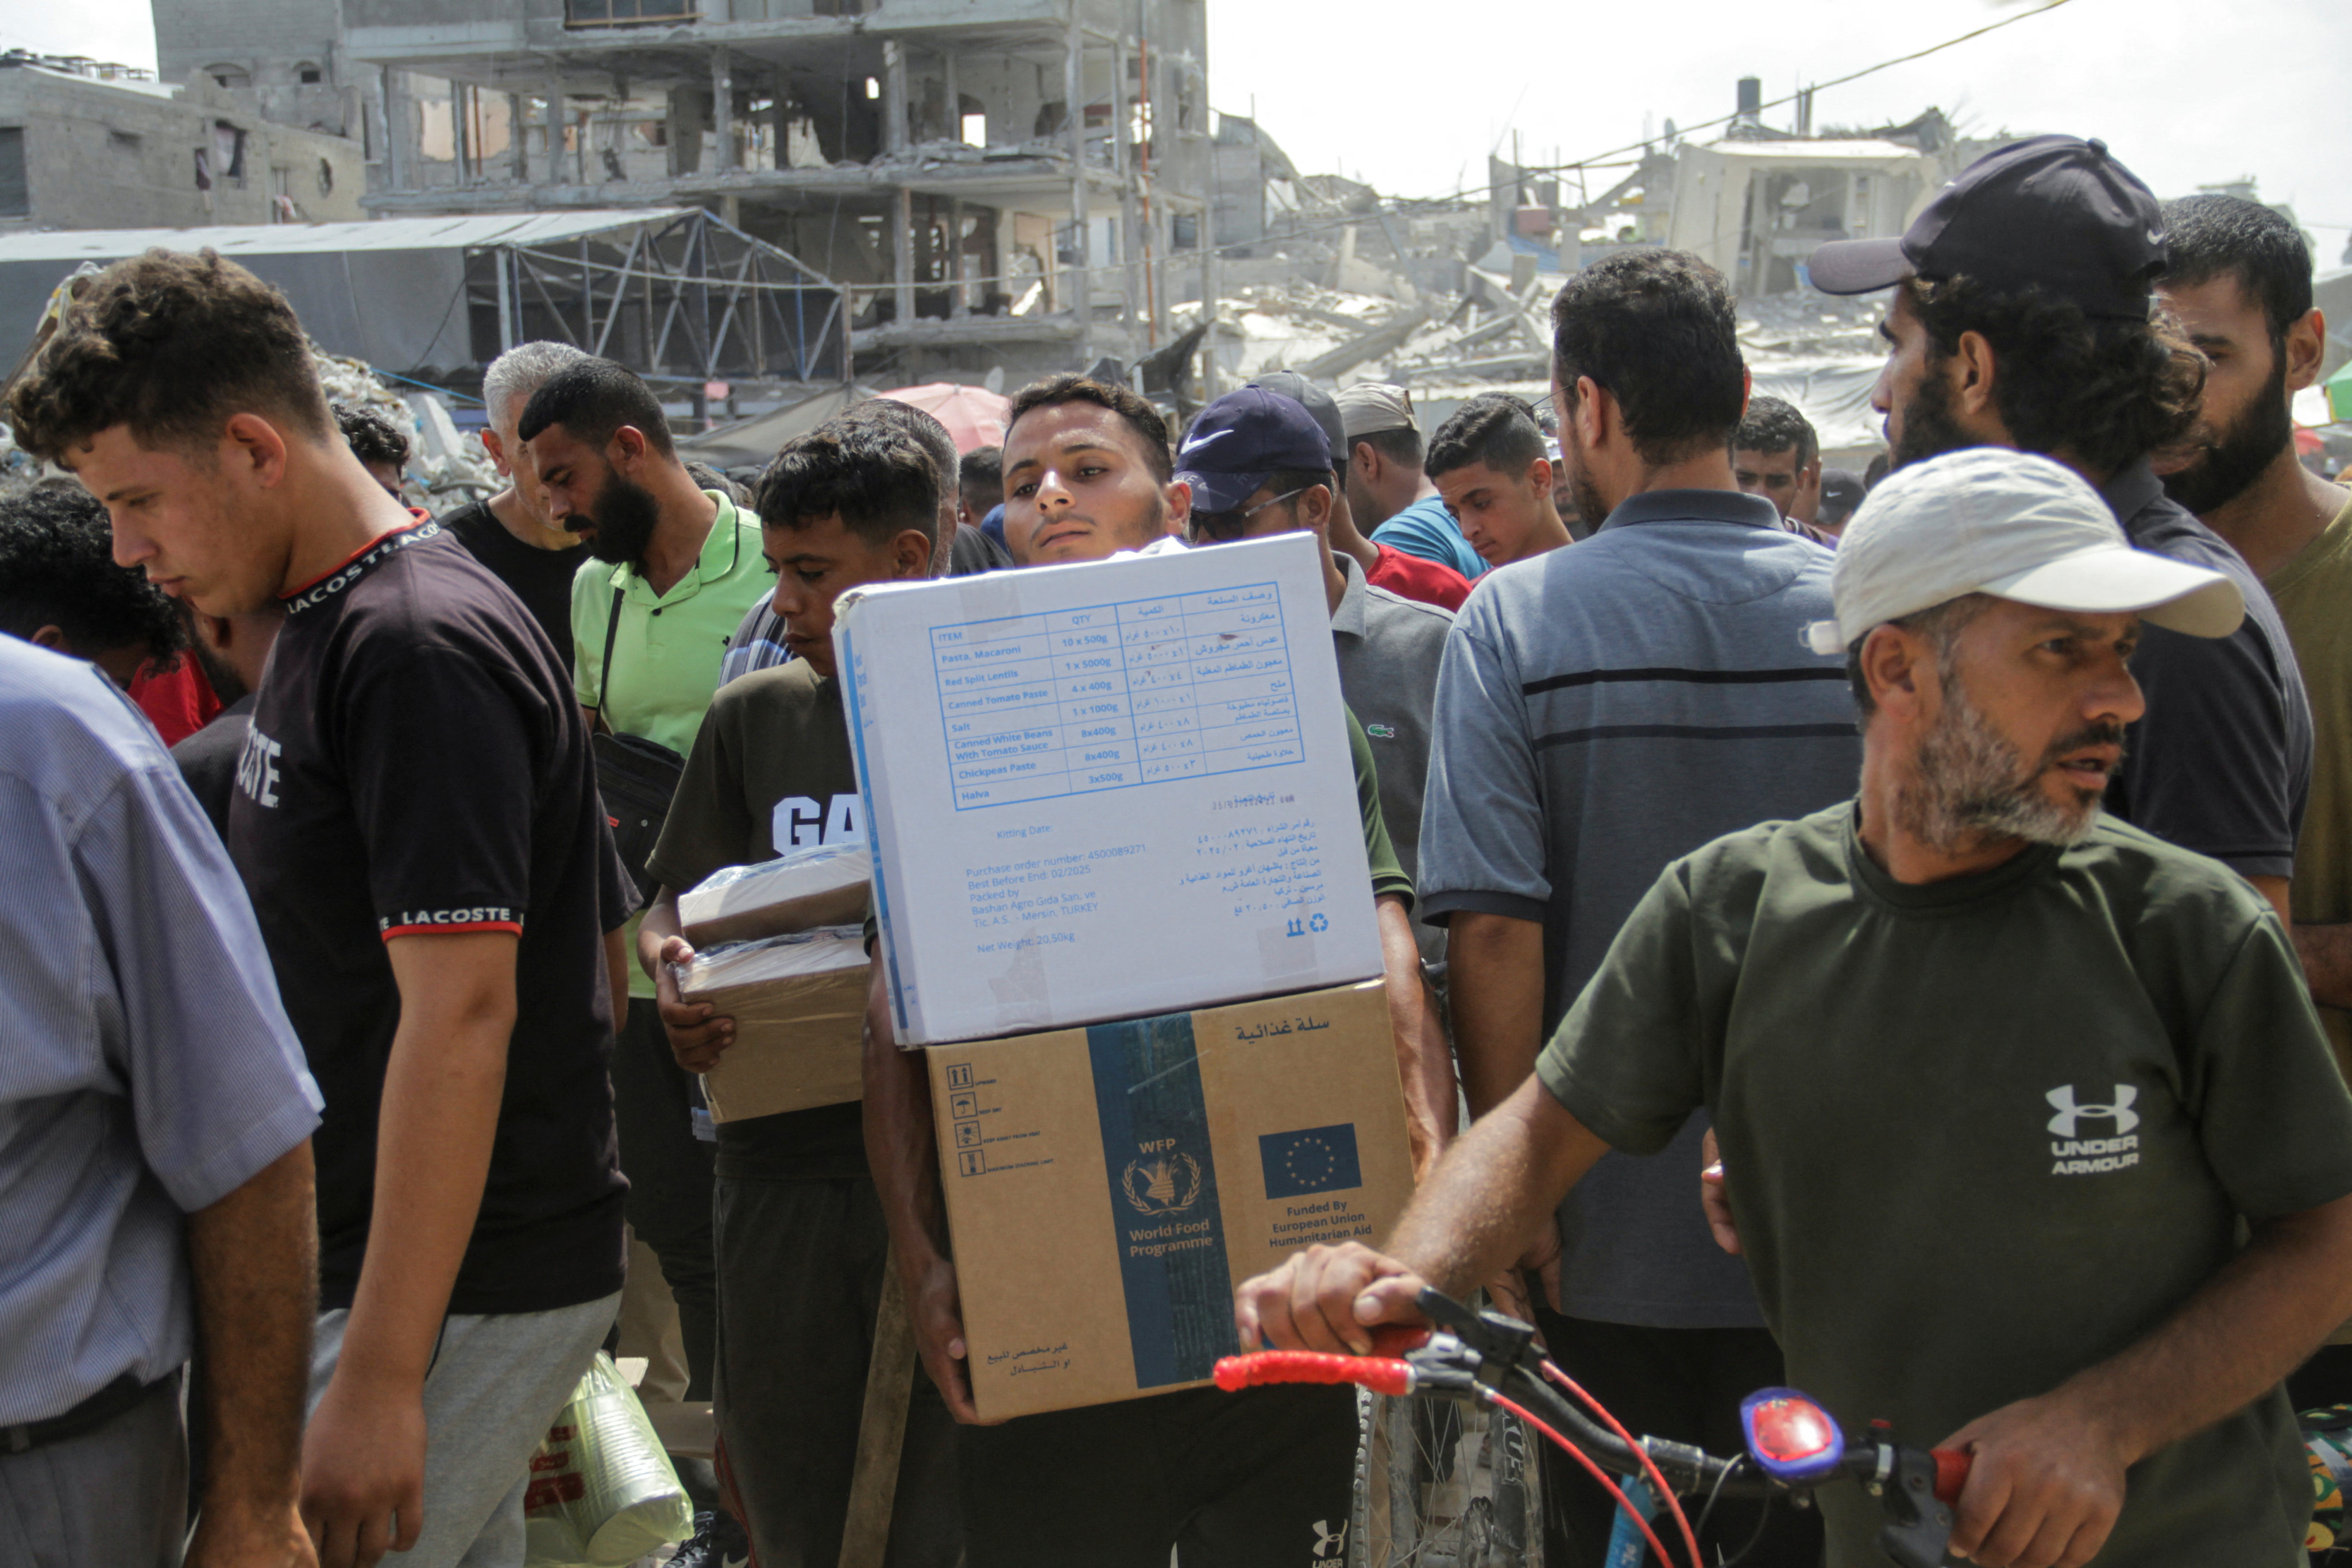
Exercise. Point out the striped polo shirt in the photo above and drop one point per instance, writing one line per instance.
(1602, 711)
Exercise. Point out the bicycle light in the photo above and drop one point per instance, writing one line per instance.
(1791, 1436)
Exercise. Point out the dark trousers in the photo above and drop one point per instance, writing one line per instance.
(1683, 1383)
(669, 1169)
(800, 1284)
(1261, 1479)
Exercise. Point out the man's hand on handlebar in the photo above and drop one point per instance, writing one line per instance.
(2045, 1487)
(1327, 1299)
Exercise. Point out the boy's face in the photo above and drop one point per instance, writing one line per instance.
(823, 559)
(1496, 511)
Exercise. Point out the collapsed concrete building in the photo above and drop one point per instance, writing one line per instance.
(87, 145)
(995, 181)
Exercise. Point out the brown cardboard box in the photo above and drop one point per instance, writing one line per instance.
(799, 1007)
(795, 892)
(1108, 1187)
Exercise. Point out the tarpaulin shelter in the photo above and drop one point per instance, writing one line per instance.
(671, 293)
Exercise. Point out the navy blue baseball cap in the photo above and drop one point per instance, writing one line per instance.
(2050, 212)
(1316, 402)
(1242, 440)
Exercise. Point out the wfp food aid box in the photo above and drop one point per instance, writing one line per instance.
(1106, 790)
(1108, 1187)
(799, 1007)
(821, 886)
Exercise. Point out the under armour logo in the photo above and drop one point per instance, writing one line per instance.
(1331, 1545)
(2121, 1112)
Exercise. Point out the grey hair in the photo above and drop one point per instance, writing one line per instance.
(523, 370)
(1941, 625)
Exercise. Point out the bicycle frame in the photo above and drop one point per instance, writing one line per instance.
(1793, 1444)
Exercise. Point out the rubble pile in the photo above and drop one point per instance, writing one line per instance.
(446, 468)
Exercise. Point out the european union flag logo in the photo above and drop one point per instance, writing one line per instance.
(1311, 1159)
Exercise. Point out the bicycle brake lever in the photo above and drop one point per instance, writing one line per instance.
(1499, 1342)
(1920, 1526)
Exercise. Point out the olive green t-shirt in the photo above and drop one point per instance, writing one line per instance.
(1980, 1133)
(2314, 594)
(1380, 849)
(769, 773)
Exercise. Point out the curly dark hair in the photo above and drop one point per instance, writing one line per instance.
(373, 436)
(2104, 391)
(56, 569)
(1657, 328)
(1140, 415)
(1773, 424)
(170, 346)
(879, 480)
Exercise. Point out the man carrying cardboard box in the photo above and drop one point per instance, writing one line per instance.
(800, 1241)
(1264, 1477)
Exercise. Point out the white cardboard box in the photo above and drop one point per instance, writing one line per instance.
(1106, 790)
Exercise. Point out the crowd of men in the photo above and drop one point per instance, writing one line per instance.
(1889, 938)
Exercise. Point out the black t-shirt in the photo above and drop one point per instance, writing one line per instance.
(208, 760)
(2222, 763)
(771, 773)
(416, 764)
(541, 579)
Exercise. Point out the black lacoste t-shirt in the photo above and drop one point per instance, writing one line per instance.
(416, 764)
(541, 579)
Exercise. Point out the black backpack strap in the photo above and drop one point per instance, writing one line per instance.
(605, 671)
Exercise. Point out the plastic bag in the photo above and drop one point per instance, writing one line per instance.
(601, 1491)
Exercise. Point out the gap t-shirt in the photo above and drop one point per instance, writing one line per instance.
(770, 772)
(1981, 1133)
(416, 764)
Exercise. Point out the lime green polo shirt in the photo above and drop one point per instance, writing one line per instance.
(667, 647)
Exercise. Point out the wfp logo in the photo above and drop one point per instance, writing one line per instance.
(2118, 1111)
(1169, 1185)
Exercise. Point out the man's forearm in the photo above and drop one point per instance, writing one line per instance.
(254, 1259)
(1424, 1064)
(435, 1128)
(2326, 954)
(1496, 989)
(2254, 1322)
(901, 1146)
(1494, 1191)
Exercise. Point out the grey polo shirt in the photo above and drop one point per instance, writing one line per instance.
(1602, 711)
(147, 1069)
(2220, 763)
(1390, 648)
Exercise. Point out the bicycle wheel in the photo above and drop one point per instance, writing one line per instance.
(1446, 1483)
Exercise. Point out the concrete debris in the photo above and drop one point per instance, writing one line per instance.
(445, 467)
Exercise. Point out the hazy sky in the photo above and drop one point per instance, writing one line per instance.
(1411, 98)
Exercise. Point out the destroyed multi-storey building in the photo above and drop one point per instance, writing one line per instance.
(86, 145)
(995, 181)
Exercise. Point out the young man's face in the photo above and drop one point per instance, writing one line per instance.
(1913, 394)
(1777, 476)
(823, 559)
(2244, 423)
(589, 495)
(1079, 487)
(195, 522)
(1498, 512)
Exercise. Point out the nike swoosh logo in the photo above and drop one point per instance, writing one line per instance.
(1197, 442)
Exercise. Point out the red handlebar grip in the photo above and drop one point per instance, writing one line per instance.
(1951, 1474)
(1381, 1374)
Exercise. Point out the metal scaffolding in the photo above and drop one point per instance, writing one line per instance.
(679, 296)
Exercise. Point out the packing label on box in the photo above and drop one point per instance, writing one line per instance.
(1063, 766)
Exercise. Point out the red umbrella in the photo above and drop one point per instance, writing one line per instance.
(974, 415)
